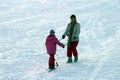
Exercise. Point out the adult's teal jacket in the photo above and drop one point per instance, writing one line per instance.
(76, 32)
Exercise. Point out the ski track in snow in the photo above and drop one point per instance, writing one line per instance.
(21, 19)
(23, 63)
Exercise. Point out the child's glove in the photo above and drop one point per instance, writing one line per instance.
(63, 46)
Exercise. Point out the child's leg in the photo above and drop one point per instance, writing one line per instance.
(51, 61)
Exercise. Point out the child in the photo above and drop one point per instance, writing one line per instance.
(51, 43)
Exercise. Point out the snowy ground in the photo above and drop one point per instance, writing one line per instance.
(24, 25)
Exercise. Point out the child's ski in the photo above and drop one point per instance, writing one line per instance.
(49, 70)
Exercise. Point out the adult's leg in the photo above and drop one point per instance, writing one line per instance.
(69, 54)
(74, 50)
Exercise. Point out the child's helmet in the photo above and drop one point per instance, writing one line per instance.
(52, 32)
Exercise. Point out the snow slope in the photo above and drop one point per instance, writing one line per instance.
(25, 24)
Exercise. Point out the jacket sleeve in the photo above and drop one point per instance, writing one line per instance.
(77, 30)
(59, 43)
(67, 30)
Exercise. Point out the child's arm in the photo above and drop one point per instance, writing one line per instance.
(59, 43)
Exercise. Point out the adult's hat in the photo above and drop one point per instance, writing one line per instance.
(72, 16)
(52, 32)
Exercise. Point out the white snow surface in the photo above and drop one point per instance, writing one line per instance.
(25, 24)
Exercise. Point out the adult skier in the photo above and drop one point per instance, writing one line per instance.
(72, 31)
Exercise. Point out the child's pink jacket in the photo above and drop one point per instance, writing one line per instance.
(50, 43)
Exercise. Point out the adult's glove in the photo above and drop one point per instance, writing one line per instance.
(75, 38)
(63, 36)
